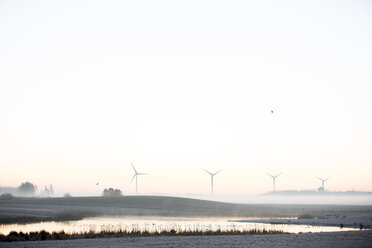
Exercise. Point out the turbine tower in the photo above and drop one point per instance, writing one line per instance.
(212, 175)
(136, 174)
(323, 181)
(274, 178)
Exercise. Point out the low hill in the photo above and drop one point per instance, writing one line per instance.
(31, 209)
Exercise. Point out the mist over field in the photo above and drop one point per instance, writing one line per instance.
(358, 199)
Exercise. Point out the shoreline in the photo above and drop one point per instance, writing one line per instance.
(310, 222)
(320, 240)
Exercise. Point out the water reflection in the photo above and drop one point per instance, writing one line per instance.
(158, 224)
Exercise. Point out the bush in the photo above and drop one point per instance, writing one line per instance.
(111, 192)
(67, 195)
(305, 216)
(27, 188)
(6, 196)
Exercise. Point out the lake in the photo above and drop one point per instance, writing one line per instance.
(153, 224)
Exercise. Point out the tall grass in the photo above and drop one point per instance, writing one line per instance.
(135, 232)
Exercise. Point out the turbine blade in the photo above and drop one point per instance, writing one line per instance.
(320, 179)
(327, 179)
(278, 174)
(207, 171)
(133, 167)
(133, 178)
(217, 172)
(142, 173)
(270, 175)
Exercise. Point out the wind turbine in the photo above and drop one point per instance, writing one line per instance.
(274, 178)
(212, 175)
(323, 181)
(136, 174)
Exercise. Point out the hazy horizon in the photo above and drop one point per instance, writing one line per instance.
(175, 87)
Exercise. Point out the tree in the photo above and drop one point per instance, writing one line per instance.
(111, 192)
(46, 190)
(49, 191)
(27, 188)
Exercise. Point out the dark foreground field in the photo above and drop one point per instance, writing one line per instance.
(317, 240)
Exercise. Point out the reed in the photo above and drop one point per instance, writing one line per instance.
(44, 235)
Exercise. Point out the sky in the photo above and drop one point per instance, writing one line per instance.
(175, 87)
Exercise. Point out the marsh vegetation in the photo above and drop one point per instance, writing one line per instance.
(44, 235)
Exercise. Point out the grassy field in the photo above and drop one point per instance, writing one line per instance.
(27, 210)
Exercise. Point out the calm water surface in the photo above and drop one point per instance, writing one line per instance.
(152, 224)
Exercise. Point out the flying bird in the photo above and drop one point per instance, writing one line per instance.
(97, 184)
(272, 111)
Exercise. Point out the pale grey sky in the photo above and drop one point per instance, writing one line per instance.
(178, 86)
